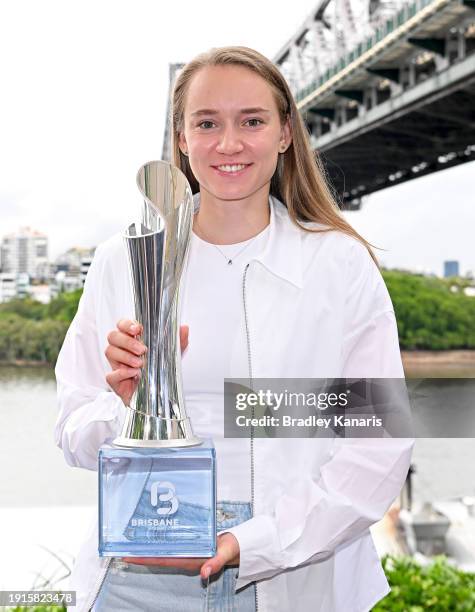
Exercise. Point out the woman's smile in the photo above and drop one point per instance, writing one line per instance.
(231, 170)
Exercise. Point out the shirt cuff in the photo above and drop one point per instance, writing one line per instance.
(258, 547)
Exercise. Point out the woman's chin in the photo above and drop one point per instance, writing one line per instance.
(229, 194)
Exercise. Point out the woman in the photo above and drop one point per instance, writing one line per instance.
(278, 285)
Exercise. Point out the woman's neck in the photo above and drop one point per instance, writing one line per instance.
(231, 221)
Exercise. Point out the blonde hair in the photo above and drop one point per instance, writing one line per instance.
(299, 179)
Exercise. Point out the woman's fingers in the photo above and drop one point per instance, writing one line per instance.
(115, 377)
(126, 356)
(124, 341)
(117, 357)
(127, 326)
(227, 554)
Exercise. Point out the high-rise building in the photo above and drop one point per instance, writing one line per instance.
(25, 252)
(451, 268)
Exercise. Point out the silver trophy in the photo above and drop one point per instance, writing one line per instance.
(157, 247)
(157, 481)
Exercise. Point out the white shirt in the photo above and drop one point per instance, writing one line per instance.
(212, 307)
(317, 308)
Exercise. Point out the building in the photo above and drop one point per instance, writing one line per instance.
(25, 252)
(65, 281)
(451, 268)
(85, 265)
(8, 286)
(22, 285)
(71, 268)
(41, 293)
(71, 260)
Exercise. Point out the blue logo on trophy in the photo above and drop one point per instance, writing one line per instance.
(157, 482)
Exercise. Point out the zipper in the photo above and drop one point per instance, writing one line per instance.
(98, 585)
(249, 364)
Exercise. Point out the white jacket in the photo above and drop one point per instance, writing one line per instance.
(317, 308)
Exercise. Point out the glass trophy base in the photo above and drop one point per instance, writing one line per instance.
(157, 502)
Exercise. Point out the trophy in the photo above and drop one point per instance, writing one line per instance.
(157, 481)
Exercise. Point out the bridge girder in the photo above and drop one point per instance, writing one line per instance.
(400, 103)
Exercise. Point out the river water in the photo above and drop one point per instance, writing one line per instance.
(44, 503)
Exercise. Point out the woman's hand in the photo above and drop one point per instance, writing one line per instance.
(125, 355)
(227, 554)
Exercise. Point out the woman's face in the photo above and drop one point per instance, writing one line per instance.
(232, 131)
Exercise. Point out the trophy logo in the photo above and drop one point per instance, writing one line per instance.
(167, 495)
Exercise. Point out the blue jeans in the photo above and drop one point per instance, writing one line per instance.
(140, 588)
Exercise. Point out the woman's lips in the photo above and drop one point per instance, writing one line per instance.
(231, 174)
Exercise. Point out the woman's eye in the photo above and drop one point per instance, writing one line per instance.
(206, 124)
(254, 122)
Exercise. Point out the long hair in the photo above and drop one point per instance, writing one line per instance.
(299, 179)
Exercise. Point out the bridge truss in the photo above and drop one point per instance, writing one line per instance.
(386, 88)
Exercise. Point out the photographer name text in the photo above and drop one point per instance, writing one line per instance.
(311, 420)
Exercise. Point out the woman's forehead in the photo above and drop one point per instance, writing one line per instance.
(237, 87)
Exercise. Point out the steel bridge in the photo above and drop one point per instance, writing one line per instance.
(386, 88)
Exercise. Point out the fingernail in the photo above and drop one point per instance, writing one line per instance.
(134, 329)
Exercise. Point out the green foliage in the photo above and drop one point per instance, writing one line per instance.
(437, 587)
(31, 331)
(432, 313)
(30, 340)
(23, 307)
(62, 308)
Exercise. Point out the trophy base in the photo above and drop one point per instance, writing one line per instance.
(157, 502)
(141, 430)
(131, 443)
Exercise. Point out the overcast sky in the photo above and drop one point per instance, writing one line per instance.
(84, 86)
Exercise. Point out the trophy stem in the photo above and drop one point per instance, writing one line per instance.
(157, 248)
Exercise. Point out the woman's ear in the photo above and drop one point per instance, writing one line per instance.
(286, 135)
(182, 143)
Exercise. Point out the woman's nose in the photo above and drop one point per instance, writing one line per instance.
(229, 142)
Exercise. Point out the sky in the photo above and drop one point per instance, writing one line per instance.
(83, 97)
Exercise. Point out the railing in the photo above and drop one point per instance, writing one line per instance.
(394, 22)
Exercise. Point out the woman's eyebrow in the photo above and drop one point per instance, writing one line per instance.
(204, 111)
(255, 109)
(243, 111)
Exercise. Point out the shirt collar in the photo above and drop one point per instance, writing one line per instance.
(282, 254)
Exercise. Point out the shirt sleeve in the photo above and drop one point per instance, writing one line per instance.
(90, 413)
(363, 476)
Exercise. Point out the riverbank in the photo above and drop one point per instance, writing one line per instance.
(28, 363)
(439, 364)
(439, 357)
(411, 359)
